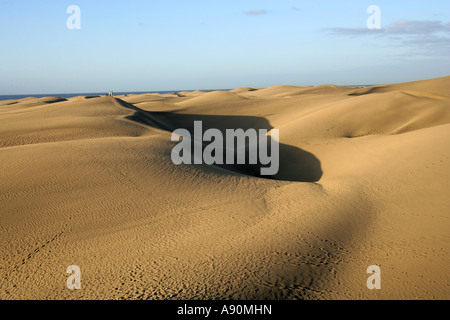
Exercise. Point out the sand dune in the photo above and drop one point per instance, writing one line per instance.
(241, 90)
(212, 97)
(438, 85)
(363, 180)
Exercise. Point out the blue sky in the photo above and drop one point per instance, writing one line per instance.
(207, 44)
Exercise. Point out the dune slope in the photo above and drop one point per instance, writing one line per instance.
(364, 177)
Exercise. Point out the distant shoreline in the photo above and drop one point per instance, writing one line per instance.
(118, 93)
(71, 95)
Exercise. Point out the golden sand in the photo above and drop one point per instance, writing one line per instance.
(364, 180)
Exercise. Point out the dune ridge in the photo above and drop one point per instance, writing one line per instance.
(363, 181)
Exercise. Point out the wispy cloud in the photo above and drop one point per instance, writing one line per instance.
(255, 12)
(355, 31)
(424, 35)
(398, 27)
(418, 27)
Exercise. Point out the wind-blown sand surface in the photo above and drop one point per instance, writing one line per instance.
(364, 180)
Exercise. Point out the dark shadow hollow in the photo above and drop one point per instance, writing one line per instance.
(295, 164)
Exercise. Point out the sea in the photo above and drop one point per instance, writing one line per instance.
(70, 95)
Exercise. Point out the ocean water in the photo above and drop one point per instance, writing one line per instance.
(70, 95)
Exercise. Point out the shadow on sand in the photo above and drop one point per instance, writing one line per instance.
(294, 164)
